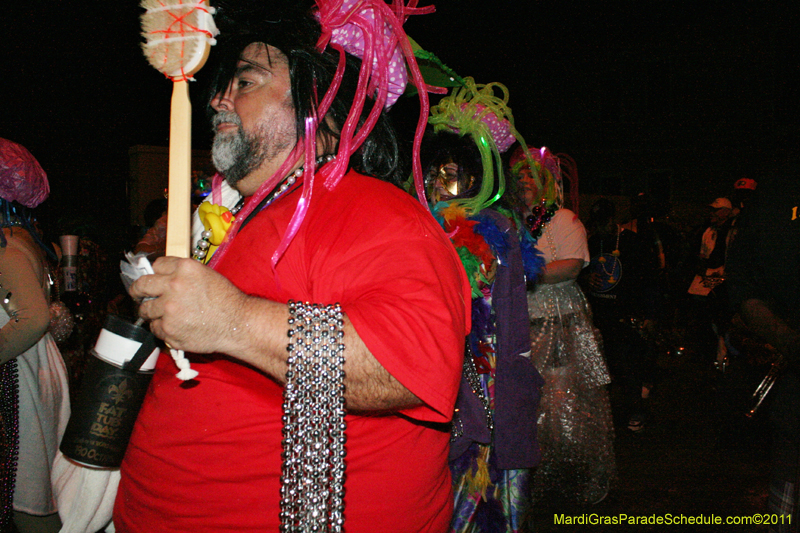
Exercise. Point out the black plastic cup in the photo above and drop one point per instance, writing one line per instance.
(111, 394)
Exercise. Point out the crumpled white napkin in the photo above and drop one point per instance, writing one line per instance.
(132, 268)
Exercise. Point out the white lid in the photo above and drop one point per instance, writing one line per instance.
(118, 350)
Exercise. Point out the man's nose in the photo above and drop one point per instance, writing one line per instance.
(222, 101)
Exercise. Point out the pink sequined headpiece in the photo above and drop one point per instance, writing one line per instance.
(480, 111)
(344, 25)
(501, 130)
(22, 178)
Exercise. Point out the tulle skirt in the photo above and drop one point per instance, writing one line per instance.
(575, 424)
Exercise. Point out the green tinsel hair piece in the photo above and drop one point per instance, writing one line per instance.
(464, 112)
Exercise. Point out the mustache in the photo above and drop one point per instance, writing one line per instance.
(228, 117)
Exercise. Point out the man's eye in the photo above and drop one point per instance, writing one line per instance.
(242, 84)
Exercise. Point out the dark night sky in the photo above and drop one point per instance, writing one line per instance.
(702, 89)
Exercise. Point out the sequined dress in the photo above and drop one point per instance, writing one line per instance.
(575, 423)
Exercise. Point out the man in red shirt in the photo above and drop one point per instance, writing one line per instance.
(227, 452)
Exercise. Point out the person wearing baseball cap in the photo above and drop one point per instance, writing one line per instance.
(708, 283)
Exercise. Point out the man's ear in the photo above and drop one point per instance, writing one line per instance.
(327, 142)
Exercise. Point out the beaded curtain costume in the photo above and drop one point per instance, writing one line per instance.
(490, 461)
(575, 424)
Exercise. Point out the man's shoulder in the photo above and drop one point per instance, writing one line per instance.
(368, 208)
(367, 193)
(370, 184)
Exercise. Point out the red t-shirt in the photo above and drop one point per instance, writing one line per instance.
(206, 457)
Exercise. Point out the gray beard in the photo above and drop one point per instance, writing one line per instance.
(235, 154)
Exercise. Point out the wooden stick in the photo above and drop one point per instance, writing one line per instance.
(180, 173)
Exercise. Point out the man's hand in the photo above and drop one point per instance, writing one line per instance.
(192, 307)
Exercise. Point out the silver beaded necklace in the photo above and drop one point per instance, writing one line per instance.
(312, 474)
(9, 412)
(548, 300)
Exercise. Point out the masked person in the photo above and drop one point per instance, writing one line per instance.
(494, 442)
(575, 426)
(328, 327)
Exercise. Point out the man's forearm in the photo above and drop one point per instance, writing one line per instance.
(197, 310)
(261, 337)
(562, 270)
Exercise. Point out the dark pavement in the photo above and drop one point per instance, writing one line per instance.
(698, 454)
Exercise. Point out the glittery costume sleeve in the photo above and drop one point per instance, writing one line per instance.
(28, 301)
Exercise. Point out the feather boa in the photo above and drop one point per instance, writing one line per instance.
(477, 239)
(494, 236)
(532, 258)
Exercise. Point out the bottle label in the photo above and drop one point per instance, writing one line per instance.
(70, 278)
